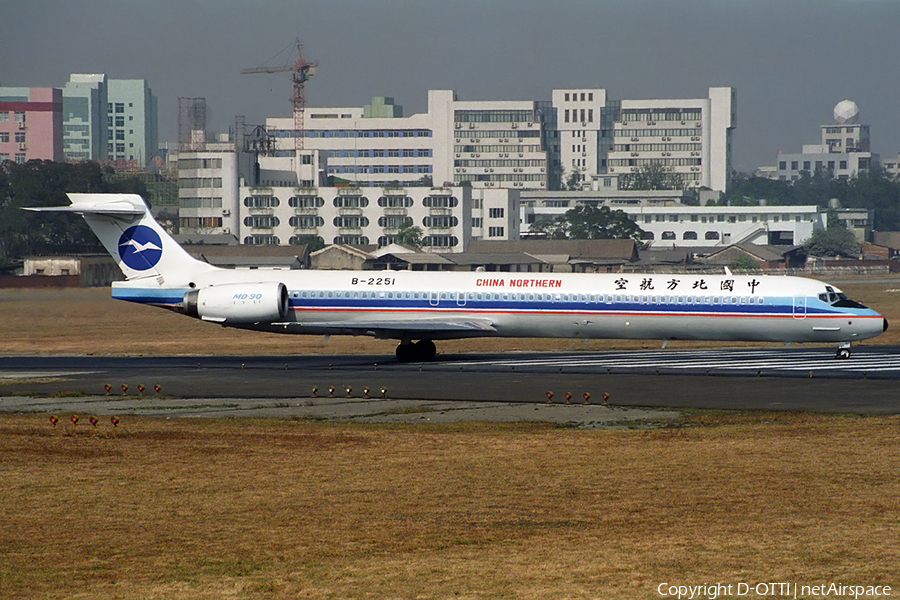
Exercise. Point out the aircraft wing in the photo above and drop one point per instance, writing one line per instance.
(390, 328)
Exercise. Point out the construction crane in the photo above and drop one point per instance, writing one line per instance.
(302, 71)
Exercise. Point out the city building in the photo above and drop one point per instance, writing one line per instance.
(373, 145)
(579, 135)
(843, 153)
(265, 195)
(688, 138)
(31, 124)
(132, 122)
(892, 166)
(85, 118)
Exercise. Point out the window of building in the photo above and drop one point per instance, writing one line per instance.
(495, 213)
(795, 165)
(495, 231)
(352, 221)
(806, 165)
(261, 221)
(261, 202)
(712, 235)
(306, 202)
(689, 235)
(351, 202)
(4, 137)
(668, 235)
(782, 165)
(844, 165)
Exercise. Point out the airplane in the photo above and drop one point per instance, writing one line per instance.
(417, 308)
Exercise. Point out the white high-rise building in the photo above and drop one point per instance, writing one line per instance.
(132, 121)
(688, 138)
(85, 117)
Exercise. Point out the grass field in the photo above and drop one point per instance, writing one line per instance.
(197, 509)
(191, 509)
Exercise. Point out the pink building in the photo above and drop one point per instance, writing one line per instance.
(31, 124)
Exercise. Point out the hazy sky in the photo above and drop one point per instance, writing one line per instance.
(791, 61)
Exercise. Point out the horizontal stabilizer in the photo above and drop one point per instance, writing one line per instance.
(111, 205)
(111, 209)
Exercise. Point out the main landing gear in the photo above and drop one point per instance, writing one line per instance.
(421, 351)
(843, 351)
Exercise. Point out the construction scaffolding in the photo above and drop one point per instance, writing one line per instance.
(302, 71)
(191, 124)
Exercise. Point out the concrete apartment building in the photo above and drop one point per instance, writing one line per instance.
(522, 144)
(456, 171)
(275, 200)
(31, 124)
(598, 138)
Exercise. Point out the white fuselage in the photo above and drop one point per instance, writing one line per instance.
(416, 305)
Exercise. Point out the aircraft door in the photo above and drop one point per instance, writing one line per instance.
(799, 307)
(461, 299)
(433, 299)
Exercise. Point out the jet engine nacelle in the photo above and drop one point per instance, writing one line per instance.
(239, 302)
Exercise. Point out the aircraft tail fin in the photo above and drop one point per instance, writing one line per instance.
(140, 246)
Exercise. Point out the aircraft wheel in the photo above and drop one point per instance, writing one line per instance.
(842, 353)
(406, 352)
(425, 350)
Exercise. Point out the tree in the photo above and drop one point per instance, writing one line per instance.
(834, 240)
(589, 222)
(409, 236)
(652, 177)
(742, 262)
(44, 183)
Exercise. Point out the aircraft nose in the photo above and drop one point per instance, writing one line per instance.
(885, 325)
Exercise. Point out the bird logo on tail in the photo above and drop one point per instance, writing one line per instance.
(140, 247)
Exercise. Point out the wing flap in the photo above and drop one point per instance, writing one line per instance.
(386, 327)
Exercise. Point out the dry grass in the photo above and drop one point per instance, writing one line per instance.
(88, 321)
(189, 509)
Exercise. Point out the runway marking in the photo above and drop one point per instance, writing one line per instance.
(739, 361)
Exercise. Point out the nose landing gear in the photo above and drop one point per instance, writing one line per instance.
(843, 351)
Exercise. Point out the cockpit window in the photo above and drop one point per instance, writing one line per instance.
(838, 299)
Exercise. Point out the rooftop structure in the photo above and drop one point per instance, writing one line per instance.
(844, 150)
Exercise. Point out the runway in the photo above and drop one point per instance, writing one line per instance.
(803, 379)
